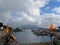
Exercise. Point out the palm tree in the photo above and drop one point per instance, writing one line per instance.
(1, 24)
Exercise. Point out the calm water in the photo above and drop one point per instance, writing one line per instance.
(27, 36)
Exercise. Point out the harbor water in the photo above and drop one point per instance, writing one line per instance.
(27, 36)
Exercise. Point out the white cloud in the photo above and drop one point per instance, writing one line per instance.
(47, 19)
(27, 12)
(41, 3)
(57, 10)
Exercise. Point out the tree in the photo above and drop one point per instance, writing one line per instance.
(4, 26)
(1, 24)
(59, 27)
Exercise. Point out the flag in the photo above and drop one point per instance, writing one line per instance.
(51, 27)
(7, 32)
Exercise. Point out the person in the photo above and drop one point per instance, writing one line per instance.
(9, 37)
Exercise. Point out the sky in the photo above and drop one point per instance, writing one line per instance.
(37, 13)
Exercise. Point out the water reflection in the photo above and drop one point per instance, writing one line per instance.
(27, 36)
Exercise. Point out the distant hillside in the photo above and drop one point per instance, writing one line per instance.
(28, 26)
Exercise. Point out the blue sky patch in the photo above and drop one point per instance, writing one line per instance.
(48, 7)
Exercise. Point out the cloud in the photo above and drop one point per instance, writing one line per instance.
(41, 3)
(27, 12)
(57, 10)
(53, 18)
(21, 12)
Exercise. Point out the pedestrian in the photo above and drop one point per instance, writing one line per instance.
(9, 37)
